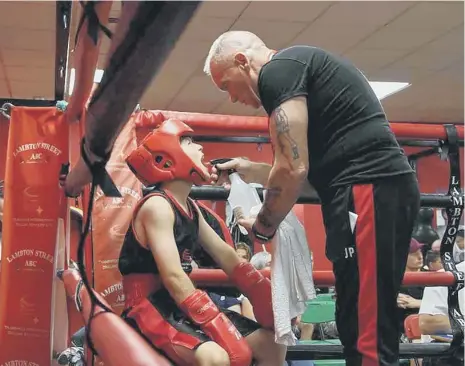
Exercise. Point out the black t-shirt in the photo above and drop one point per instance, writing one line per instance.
(349, 138)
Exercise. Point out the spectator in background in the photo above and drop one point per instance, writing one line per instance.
(433, 261)
(409, 298)
(434, 318)
(240, 304)
(436, 246)
(458, 250)
(243, 251)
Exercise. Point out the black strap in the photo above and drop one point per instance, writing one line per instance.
(85, 280)
(454, 215)
(99, 174)
(262, 237)
(93, 24)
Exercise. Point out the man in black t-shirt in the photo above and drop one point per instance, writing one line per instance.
(329, 134)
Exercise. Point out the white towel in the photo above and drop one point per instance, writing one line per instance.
(291, 277)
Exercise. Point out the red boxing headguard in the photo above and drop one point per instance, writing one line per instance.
(160, 157)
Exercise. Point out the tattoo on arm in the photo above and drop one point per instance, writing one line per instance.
(283, 131)
(266, 216)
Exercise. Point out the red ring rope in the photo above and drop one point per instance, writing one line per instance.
(215, 277)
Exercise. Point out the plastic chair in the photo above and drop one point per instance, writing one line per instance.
(412, 330)
(412, 327)
(318, 312)
(325, 297)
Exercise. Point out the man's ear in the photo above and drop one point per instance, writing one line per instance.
(241, 60)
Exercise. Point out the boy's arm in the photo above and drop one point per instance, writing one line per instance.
(157, 219)
(221, 252)
(245, 277)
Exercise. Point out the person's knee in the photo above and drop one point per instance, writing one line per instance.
(265, 350)
(211, 354)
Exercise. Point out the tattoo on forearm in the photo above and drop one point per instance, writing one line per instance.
(266, 217)
(284, 131)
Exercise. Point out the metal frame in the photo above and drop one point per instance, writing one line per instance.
(266, 140)
(28, 102)
(221, 194)
(334, 351)
(63, 19)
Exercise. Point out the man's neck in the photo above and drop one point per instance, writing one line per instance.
(179, 189)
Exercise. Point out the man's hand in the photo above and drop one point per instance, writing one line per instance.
(74, 182)
(219, 172)
(247, 224)
(249, 171)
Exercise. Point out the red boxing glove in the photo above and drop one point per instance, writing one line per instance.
(257, 289)
(202, 311)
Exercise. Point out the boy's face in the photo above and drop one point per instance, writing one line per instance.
(194, 151)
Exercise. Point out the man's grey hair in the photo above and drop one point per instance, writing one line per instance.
(227, 44)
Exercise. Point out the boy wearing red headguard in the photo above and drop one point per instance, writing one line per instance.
(161, 300)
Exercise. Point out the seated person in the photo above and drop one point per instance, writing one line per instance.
(434, 320)
(458, 251)
(243, 251)
(434, 316)
(409, 298)
(239, 304)
(433, 261)
(161, 302)
(436, 246)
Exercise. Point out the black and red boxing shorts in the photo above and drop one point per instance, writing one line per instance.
(160, 321)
